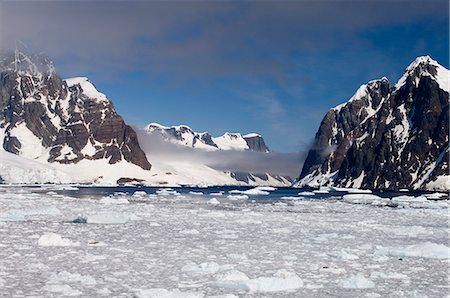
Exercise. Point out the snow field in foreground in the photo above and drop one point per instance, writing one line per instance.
(168, 245)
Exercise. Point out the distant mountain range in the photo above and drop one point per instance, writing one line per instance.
(55, 130)
(184, 135)
(386, 137)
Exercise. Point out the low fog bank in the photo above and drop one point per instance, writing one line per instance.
(156, 148)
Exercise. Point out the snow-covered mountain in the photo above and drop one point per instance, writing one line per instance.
(387, 137)
(184, 135)
(63, 122)
(200, 151)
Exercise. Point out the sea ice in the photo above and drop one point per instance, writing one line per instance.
(421, 250)
(108, 218)
(163, 293)
(213, 201)
(357, 281)
(237, 197)
(114, 201)
(282, 280)
(52, 239)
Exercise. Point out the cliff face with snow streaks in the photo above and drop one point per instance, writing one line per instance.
(386, 137)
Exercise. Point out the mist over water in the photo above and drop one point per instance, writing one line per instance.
(156, 148)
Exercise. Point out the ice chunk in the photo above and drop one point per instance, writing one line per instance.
(68, 277)
(282, 280)
(306, 193)
(63, 290)
(167, 192)
(112, 201)
(357, 281)
(237, 197)
(421, 250)
(139, 193)
(257, 191)
(220, 193)
(201, 269)
(163, 293)
(213, 201)
(196, 193)
(190, 232)
(388, 275)
(52, 239)
(108, 218)
(362, 199)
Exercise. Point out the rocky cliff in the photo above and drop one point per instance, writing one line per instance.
(386, 137)
(46, 118)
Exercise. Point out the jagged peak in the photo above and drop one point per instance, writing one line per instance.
(425, 66)
(362, 92)
(27, 64)
(156, 126)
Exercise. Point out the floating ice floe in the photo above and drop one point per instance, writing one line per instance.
(363, 199)
(196, 193)
(322, 190)
(282, 280)
(167, 192)
(201, 269)
(436, 196)
(163, 293)
(190, 232)
(357, 281)
(67, 277)
(52, 239)
(422, 250)
(257, 191)
(237, 197)
(109, 218)
(352, 190)
(220, 193)
(388, 275)
(213, 201)
(306, 193)
(114, 201)
(290, 198)
(63, 290)
(139, 193)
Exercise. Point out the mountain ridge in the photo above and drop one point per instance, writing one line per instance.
(186, 136)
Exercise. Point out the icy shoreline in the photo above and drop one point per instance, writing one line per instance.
(169, 244)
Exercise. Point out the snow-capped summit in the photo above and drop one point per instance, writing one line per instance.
(386, 137)
(184, 135)
(425, 66)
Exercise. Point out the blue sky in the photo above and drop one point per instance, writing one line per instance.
(269, 67)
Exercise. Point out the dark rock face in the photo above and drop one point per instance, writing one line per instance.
(63, 121)
(385, 137)
(256, 143)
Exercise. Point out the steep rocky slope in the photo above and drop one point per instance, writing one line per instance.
(386, 137)
(51, 120)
